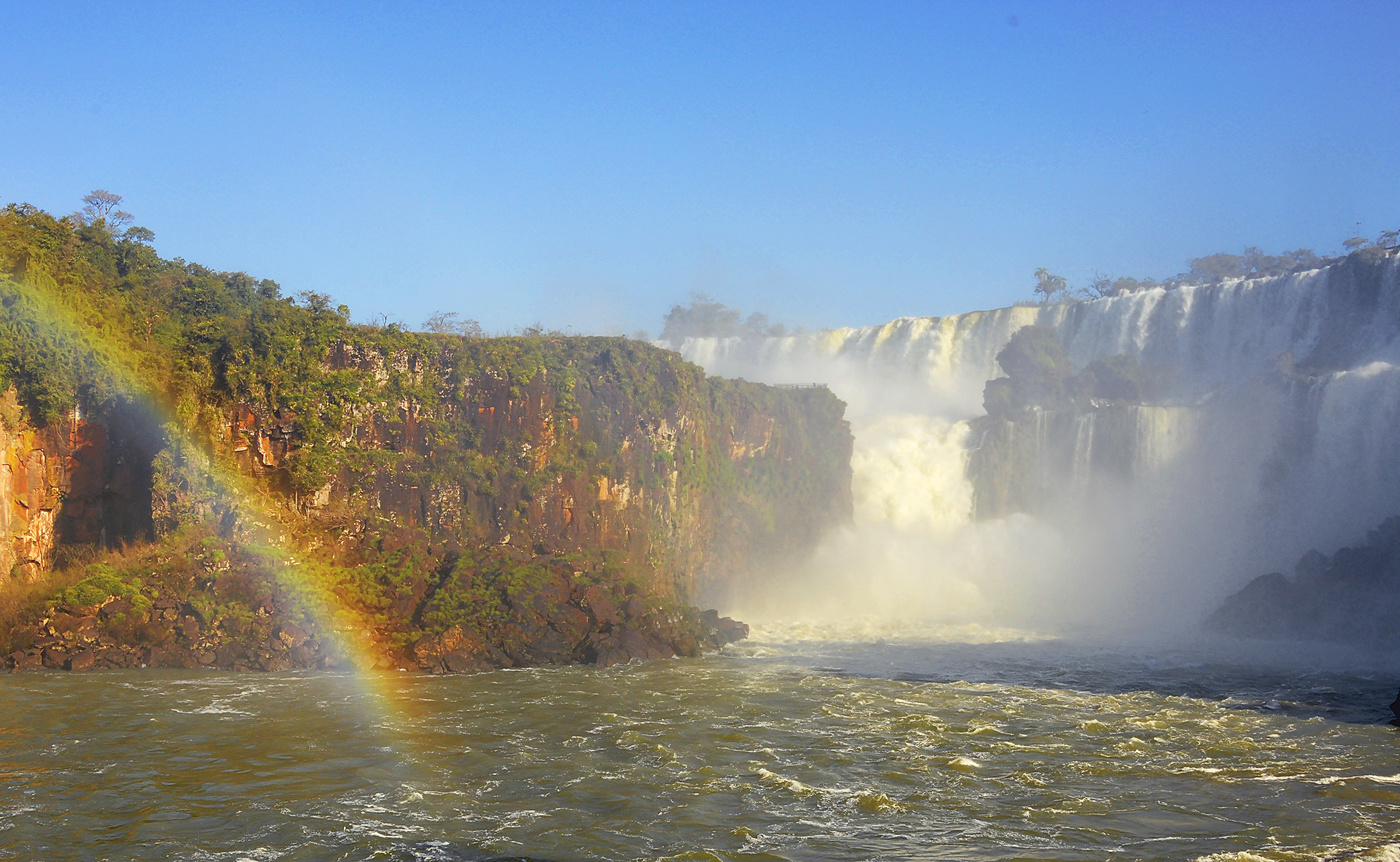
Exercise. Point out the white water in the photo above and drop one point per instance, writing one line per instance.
(1237, 481)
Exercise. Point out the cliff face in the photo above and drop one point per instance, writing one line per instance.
(609, 446)
(77, 482)
(476, 505)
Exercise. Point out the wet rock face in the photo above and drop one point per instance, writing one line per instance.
(81, 481)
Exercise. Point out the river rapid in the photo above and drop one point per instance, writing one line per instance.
(802, 743)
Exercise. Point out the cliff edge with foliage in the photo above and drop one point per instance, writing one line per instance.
(198, 471)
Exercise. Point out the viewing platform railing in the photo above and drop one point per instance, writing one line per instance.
(799, 385)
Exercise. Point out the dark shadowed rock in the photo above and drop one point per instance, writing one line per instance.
(638, 645)
(456, 650)
(549, 647)
(291, 636)
(687, 646)
(601, 606)
(731, 630)
(571, 623)
(81, 660)
(1352, 597)
(116, 608)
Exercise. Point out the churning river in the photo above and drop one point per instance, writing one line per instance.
(791, 745)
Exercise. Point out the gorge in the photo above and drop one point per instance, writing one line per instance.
(973, 556)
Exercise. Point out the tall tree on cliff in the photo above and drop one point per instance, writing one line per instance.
(1047, 284)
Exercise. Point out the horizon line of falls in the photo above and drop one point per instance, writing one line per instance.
(1129, 517)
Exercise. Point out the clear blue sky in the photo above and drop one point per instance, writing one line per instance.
(588, 165)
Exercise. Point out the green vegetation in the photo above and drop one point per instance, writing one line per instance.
(706, 318)
(1039, 376)
(98, 586)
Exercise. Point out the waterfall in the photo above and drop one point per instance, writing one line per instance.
(1231, 478)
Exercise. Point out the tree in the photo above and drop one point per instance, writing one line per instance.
(1255, 261)
(1102, 285)
(1048, 284)
(100, 205)
(1036, 369)
(1303, 258)
(139, 234)
(1389, 239)
(706, 318)
(1216, 267)
(1113, 378)
(1354, 243)
(451, 323)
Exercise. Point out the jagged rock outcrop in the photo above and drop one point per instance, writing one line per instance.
(1351, 597)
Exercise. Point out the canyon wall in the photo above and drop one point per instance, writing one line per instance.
(690, 482)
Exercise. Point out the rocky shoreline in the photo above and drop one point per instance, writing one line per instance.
(588, 628)
(199, 601)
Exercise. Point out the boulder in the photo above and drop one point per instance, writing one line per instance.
(292, 635)
(571, 623)
(549, 647)
(598, 603)
(456, 650)
(731, 630)
(54, 657)
(688, 646)
(81, 660)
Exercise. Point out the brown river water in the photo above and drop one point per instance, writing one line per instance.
(789, 746)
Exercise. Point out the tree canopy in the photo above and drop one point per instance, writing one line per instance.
(706, 318)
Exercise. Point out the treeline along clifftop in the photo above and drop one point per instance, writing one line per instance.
(198, 471)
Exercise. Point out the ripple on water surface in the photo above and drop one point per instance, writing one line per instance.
(779, 750)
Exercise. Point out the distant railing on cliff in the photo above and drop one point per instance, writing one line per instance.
(799, 385)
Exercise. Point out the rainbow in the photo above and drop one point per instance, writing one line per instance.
(271, 542)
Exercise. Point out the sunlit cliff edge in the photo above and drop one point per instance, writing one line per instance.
(197, 471)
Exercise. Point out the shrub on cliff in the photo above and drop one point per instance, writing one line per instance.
(1037, 373)
(1113, 378)
(1039, 376)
